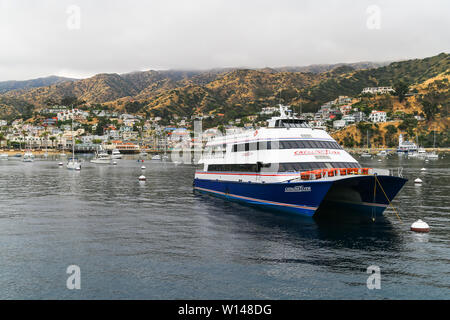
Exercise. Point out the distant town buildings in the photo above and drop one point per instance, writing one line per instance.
(269, 110)
(70, 114)
(377, 90)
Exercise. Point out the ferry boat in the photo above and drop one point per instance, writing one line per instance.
(292, 167)
(405, 146)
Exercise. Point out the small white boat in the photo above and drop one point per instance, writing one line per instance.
(156, 157)
(432, 156)
(366, 155)
(73, 164)
(143, 154)
(115, 154)
(382, 153)
(4, 156)
(102, 158)
(28, 157)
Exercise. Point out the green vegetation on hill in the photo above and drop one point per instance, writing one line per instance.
(236, 92)
(408, 72)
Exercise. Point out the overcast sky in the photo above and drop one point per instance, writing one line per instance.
(44, 37)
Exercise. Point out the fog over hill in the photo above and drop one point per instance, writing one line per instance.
(233, 91)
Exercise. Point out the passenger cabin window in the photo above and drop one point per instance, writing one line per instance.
(282, 167)
(286, 144)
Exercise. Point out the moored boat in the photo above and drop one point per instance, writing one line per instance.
(73, 163)
(115, 154)
(101, 157)
(28, 157)
(291, 167)
(156, 157)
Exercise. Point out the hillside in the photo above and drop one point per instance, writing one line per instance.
(233, 92)
(6, 86)
(433, 93)
(320, 68)
(351, 84)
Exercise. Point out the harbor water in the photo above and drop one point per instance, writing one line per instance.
(159, 240)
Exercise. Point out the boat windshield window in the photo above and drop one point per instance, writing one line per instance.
(291, 123)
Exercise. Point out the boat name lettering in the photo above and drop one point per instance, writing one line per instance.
(297, 189)
(315, 152)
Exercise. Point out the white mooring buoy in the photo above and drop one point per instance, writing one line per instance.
(420, 226)
(114, 163)
(142, 178)
(418, 181)
(143, 167)
(60, 164)
(423, 169)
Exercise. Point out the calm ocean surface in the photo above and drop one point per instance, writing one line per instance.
(159, 240)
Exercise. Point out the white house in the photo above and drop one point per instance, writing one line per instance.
(338, 124)
(377, 116)
(348, 119)
(378, 90)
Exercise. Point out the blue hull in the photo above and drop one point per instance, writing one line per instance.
(350, 195)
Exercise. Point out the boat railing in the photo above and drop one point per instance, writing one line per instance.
(336, 172)
(396, 172)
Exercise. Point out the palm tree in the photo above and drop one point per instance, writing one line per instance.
(59, 140)
(23, 134)
(45, 135)
(2, 138)
(52, 139)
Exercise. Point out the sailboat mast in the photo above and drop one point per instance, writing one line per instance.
(434, 139)
(73, 140)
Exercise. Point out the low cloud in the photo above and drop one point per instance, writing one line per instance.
(41, 37)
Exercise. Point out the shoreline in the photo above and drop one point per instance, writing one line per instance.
(393, 150)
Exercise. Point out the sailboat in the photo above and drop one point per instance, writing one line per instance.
(165, 157)
(366, 154)
(46, 148)
(73, 163)
(28, 156)
(433, 155)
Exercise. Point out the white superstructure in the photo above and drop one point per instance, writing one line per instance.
(287, 147)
